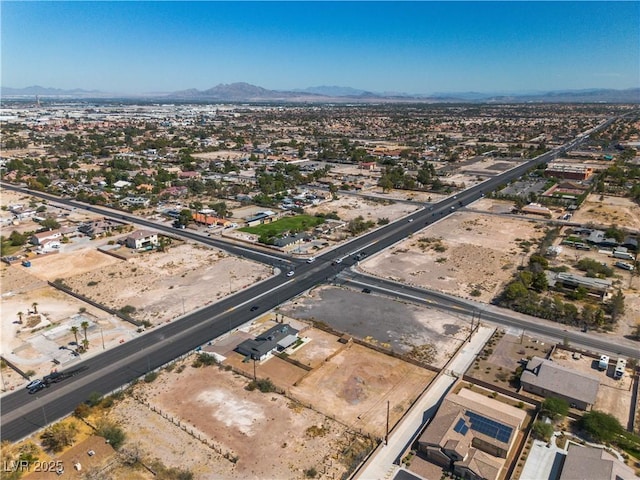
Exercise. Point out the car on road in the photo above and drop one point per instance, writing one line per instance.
(290, 273)
(254, 308)
(311, 259)
(339, 260)
(33, 383)
(410, 220)
(37, 388)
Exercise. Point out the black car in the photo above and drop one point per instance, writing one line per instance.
(254, 308)
(366, 290)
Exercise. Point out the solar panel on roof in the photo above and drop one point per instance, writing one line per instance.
(489, 427)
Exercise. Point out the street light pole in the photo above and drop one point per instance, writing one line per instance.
(102, 335)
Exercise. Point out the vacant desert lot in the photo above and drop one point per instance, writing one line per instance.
(401, 326)
(267, 434)
(619, 211)
(349, 207)
(466, 252)
(35, 344)
(161, 286)
(355, 385)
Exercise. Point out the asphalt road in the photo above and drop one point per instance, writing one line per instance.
(22, 414)
(489, 313)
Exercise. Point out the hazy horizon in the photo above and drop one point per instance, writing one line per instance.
(412, 48)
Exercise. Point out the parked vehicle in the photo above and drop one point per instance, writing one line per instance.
(603, 364)
(621, 365)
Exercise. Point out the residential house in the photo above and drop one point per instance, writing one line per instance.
(48, 245)
(40, 237)
(95, 228)
(260, 218)
(548, 379)
(595, 286)
(142, 239)
(594, 463)
(472, 434)
(277, 338)
(205, 219)
(135, 201)
(122, 184)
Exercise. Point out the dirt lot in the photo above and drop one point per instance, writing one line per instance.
(620, 211)
(467, 252)
(263, 435)
(499, 359)
(161, 286)
(427, 333)
(349, 207)
(347, 381)
(614, 396)
(35, 344)
(355, 384)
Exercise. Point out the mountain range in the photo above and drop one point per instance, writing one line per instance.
(245, 92)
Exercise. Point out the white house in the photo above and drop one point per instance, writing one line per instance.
(142, 239)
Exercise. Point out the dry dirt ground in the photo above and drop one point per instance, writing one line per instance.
(614, 396)
(619, 211)
(347, 381)
(34, 344)
(255, 435)
(424, 333)
(161, 286)
(355, 384)
(349, 207)
(465, 252)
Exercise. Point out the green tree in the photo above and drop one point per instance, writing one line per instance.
(75, 331)
(542, 430)
(615, 306)
(555, 408)
(58, 436)
(385, 183)
(111, 432)
(50, 223)
(85, 327)
(185, 217)
(17, 239)
(603, 427)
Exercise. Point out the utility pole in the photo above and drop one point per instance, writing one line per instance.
(102, 335)
(254, 370)
(386, 436)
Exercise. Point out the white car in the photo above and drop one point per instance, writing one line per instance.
(33, 383)
(290, 273)
(311, 259)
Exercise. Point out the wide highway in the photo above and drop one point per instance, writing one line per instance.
(22, 414)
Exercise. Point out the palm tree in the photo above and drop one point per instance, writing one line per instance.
(84, 326)
(35, 307)
(20, 314)
(75, 331)
(85, 344)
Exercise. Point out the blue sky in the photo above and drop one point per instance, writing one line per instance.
(412, 47)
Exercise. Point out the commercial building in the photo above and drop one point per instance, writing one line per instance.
(548, 379)
(569, 171)
(472, 434)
